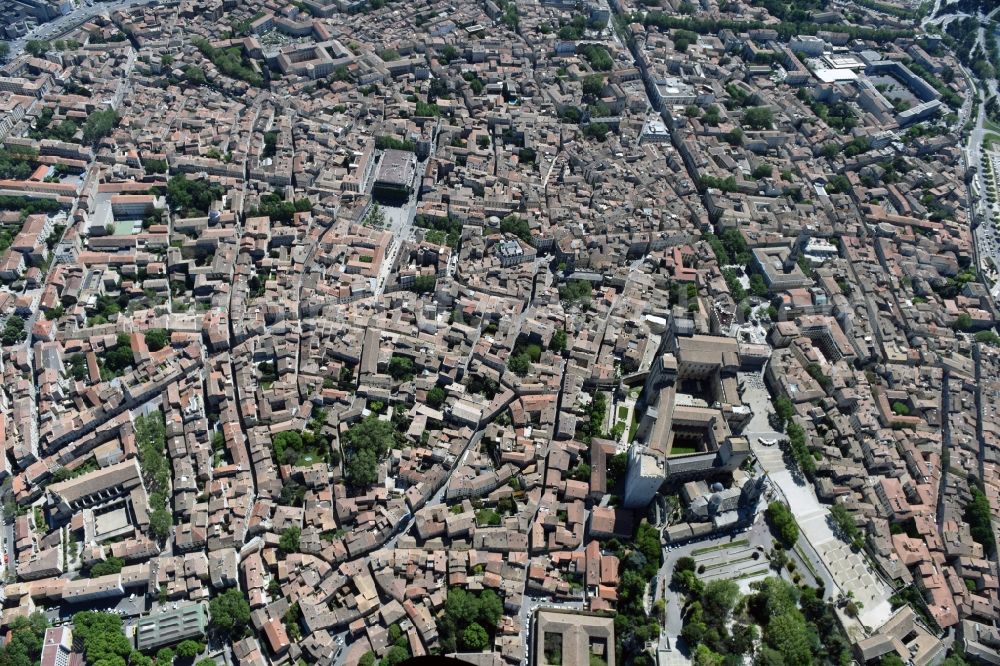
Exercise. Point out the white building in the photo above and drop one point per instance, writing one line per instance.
(808, 44)
(646, 473)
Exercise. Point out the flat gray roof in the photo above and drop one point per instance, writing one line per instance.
(397, 168)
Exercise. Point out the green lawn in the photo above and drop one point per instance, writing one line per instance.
(751, 574)
(806, 561)
(124, 227)
(632, 428)
(682, 450)
(308, 457)
(722, 546)
(709, 567)
(622, 412)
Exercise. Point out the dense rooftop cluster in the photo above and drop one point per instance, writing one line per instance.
(337, 332)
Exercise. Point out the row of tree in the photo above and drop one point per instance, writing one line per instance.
(151, 442)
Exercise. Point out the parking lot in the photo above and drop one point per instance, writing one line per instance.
(129, 608)
(527, 616)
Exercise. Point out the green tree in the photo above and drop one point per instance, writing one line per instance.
(977, 515)
(367, 659)
(230, 611)
(465, 610)
(192, 197)
(732, 278)
(597, 56)
(743, 638)
(687, 582)
(593, 85)
(704, 656)
(112, 565)
(164, 656)
(160, 522)
(13, 331)
(153, 165)
(99, 125)
(558, 342)
(719, 598)
(757, 285)
(120, 357)
(436, 397)
(784, 409)
(103, 639)
(151, 440)
(783, 523)
(758, 118)
(475, 637)
(401, 368)
(617, 466)
(461, 607)
(789, 635)
(292, 494)
(346, 377)
(395, 655)
(647, 541)
(844, 521)
(596, 131)
(37, 47)
(137, 658)
(195, 75)
(289, 541)
(576, 291)
(291, 622)
(287, 445)
(24, 644)
(986, 337)
(189, 649)
(519, 364)
(365, 444)
(773, 597)
(156, 339)
(490, 608)
(17, 163)
(230, 61)
(512, 224)
(838, 184)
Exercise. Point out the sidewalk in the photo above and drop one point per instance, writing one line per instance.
(846, 569)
